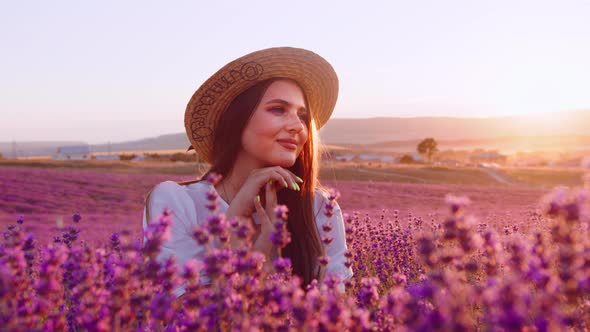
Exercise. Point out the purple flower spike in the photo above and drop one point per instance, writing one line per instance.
(456, 203)
(244, 231)
(212, 204)
(281, 212)
(331, 204)
(191, 269)
(281, 236)
(76, 217)
(234, 222)
(201, 235)
(327, 227)
(333, 194)
(214, 178)
(217, 224)
(327, 240)
(329, 209)
(20, 220)
(212, 195)
(282, 265)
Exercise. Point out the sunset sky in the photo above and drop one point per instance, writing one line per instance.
(121, 70)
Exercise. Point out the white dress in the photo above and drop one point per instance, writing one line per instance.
(187, 203)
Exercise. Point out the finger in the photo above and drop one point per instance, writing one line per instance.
(280, 181)
(290, 178)
(297, 178)
(260, 210)
(271, 200)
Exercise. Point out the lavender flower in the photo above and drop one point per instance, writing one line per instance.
(282, 265)
(217, 224)
(327, 227)
(201, 235)
(281, 212)
(327, 240)
(214, 178)
(324, 260)
(456, 203)
(281, 237)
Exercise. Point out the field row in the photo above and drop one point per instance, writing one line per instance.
(112, 201)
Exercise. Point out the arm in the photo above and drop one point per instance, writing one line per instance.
(171, 195)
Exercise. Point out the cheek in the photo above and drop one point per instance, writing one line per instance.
(304, 134)
(258, 138)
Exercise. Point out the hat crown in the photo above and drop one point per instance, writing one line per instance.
(314, 74)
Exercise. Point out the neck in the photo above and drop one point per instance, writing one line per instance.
(243, 166)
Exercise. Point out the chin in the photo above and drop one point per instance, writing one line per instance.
(283, 161)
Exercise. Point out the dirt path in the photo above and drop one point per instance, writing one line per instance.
(363, 170)
(493, 174)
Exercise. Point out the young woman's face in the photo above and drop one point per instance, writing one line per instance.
(277, 131)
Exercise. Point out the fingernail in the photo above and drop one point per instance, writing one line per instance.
(286, 184)
(258, 198)
(299, 179)
(297, 187)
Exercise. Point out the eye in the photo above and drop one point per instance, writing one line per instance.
(277, 109)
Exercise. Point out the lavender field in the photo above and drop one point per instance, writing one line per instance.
(425, 257)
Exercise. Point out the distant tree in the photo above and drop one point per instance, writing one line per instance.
(127, 157)
(406, 159)
(181, 156)
(427, 147)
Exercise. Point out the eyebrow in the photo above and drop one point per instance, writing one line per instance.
(284, 102)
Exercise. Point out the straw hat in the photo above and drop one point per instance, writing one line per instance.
(315, 75)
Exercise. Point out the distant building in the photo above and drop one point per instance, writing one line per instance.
(488, 157)
(448, 162)
(365, 157)
(371, 157)
(139, 158)
(107, 157)
(73, 152)
(570, 163)
(348, 157)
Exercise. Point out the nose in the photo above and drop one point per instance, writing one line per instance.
(294, 123)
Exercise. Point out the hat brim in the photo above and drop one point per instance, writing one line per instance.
(314, 74)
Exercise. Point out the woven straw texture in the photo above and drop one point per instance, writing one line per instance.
(315, 75)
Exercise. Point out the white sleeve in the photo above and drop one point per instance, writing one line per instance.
(338, 247)
(171, 195)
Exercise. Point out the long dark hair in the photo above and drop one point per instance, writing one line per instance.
(305, 246)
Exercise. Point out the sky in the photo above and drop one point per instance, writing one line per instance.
(123, 70)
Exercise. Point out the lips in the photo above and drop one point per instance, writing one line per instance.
(289, 144)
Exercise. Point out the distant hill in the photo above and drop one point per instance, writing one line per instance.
(374, 130)
(505, 144)
(33, 148)
(389, 132)
(163, 142)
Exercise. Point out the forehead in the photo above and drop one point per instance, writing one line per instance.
(287, 90)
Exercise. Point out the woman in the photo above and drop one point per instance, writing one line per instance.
(255, 121)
